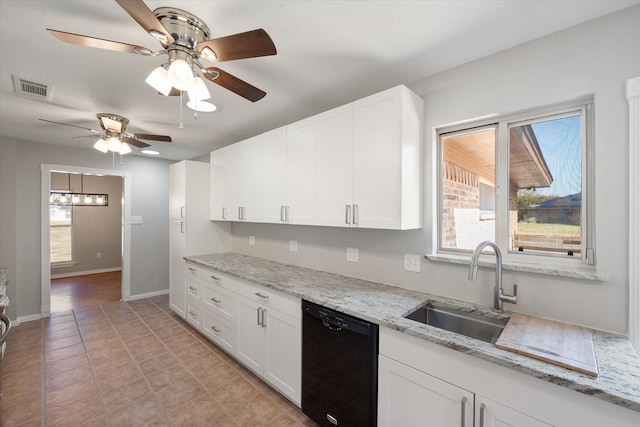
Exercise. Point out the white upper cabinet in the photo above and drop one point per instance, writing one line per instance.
(219, 185)
(387, 173)
(358, 165)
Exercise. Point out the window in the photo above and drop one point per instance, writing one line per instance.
(61, 242)
(521, 181)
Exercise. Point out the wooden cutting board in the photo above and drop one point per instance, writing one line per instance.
(560, 344)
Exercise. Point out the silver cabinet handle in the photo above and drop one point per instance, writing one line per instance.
(482, 409)
(355, 214)
(215, 329)
(259, 315)
(258, 294)
(217, 301)
(463, 404)
(192, 288)
(193, 313)
(215, 277)
(224, 213)
(281, 213)
(347, 215)
(182, 214)
(286, 214)
(182, 227)
(264, 318)
(191, 269)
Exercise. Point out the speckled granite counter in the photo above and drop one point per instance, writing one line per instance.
(618, 381)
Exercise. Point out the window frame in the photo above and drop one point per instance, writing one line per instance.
(71, 227)
(502, 124)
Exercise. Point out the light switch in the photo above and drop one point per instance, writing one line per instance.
(252, 240)
(293, 245)
(352, 254)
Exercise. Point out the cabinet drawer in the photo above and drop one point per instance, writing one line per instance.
(220, 301)
(194, 288)
(218, 330)
(268, 297)
(201, 273)
(194, 313)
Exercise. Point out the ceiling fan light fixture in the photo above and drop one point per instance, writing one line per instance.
(124, 149)
(101, 145)
(198, 90)
(180, 74)
(201, 106)
(114, 144)
(159, 80)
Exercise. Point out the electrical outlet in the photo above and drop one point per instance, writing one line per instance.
(352, 254)
(293, 245)
(252, 240)
(412, 262)
(136, 219)
(99, 255)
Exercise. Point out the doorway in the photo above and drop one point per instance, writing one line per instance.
(125, 230)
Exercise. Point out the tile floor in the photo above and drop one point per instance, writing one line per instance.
(130, 364)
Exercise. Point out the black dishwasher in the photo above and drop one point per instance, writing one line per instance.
(339, 368)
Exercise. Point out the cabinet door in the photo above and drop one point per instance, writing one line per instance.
(250, 335)
(408, 397)
(301, 172)
(283, 353)
(177, 284)
(236, 181)
(334, 166)
(177, 194)
(494, 414)
(219, 185)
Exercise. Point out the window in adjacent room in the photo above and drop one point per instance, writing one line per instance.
(522, 181)
(61, 236)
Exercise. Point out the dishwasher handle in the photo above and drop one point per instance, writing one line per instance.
(331, 323)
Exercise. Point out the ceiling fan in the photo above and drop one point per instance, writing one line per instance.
(114, 136)
(185, 39)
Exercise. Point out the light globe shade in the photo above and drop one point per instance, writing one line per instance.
(198, 90)
(114, 144)
(180, 74)
(75, 198)
(201, 106)
(101, 145)
(87, 199)
(159, 80)
(124, 148)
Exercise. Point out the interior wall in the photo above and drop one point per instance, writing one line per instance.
(593, 58)
(97, 229)
(20, 218)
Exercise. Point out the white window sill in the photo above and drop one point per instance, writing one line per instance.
(585, 273)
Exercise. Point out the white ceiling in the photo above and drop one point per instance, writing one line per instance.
(329, 53)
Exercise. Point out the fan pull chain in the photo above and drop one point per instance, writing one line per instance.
(181, 125)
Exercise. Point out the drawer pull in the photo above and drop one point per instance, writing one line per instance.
(193, 313)
(482, 409)
(192, 288)
(215, 277)
(191, 269)
(258, 294)
(463, 407)
(216, 330)
(217, 301)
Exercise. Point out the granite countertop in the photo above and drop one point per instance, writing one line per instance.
(618, 381)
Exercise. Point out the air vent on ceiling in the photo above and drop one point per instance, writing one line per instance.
(32, 89)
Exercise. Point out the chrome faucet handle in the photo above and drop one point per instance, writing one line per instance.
(510, 298)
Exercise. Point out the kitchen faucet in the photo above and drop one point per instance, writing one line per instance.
(498, 296)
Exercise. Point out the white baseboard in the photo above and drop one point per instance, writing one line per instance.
(28, 318)
(84, 273)
(148, 295)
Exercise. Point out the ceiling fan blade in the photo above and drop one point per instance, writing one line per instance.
(250, 44)
(135, 142)
(236, 85)
(84, 136)
(67, 124)
(96, 42)
(147, 20)
(150, 137)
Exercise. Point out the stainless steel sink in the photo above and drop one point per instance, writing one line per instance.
(469, 324)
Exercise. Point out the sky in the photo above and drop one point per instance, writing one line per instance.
(561, 147)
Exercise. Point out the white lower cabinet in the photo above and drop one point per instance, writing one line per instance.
(260, 327)
(409, 397)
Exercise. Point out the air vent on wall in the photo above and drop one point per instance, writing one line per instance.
(32, 89)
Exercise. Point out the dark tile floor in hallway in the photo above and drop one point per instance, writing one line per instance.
(130, 364)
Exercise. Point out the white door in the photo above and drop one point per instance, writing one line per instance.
(177, 284)
(283, 353)
(377, 187)
(334, 166)
(494, 414)
(408, 397)
(301, 173)
(250, 334)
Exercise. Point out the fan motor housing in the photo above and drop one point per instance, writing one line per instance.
(187, 29)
